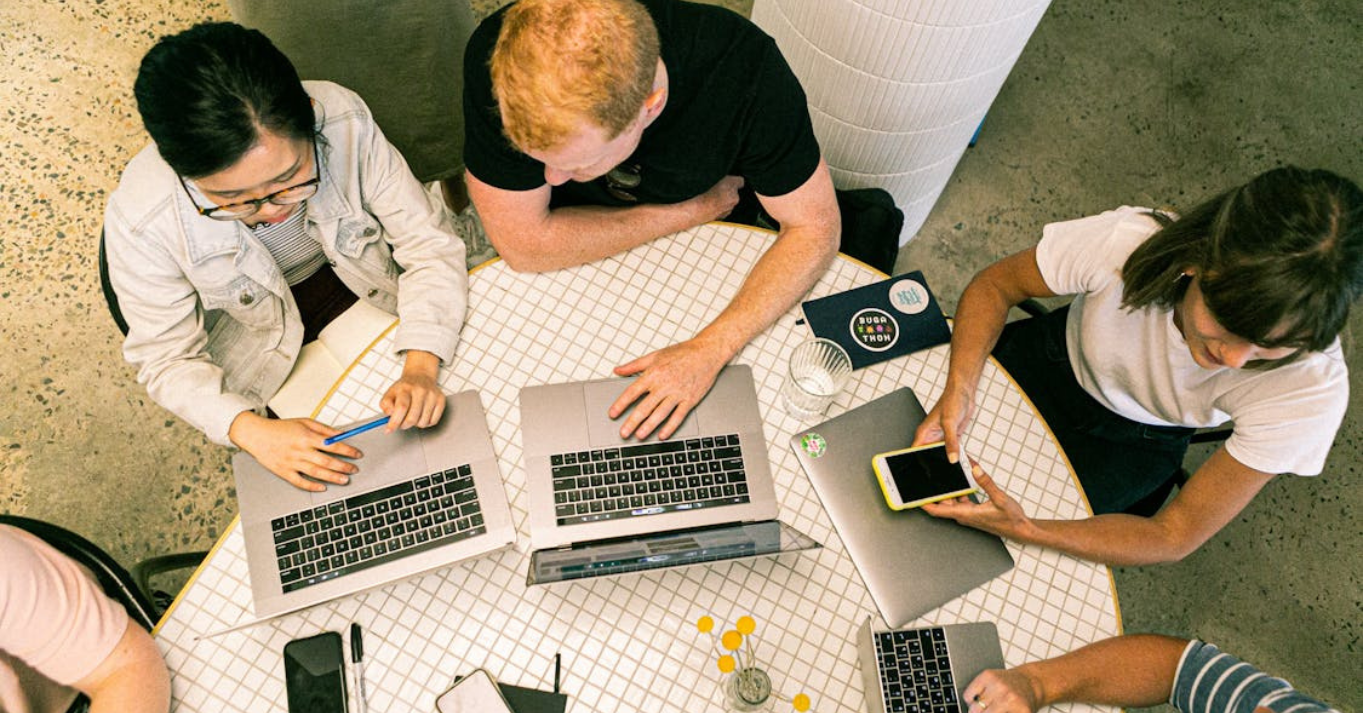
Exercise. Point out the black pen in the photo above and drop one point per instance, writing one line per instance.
(357, 658)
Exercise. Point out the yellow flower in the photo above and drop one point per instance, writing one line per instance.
(731, 640)
(801, 702)
(726, 663)
(705, 624)
(746, 625)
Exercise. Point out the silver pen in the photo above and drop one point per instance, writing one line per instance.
(357, 658)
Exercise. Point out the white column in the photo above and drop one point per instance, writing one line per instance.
(897, 87)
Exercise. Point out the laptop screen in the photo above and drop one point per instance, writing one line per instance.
(678, 548)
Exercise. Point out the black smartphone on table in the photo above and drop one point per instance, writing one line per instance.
(314, 674)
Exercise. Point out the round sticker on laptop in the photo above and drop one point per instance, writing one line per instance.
(874, 329)
(908, 296)
(813, 445)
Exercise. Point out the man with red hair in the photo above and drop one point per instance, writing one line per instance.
(594, 126)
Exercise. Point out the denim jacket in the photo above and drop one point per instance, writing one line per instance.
(212, 326)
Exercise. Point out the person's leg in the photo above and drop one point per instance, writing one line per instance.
(1118, 461)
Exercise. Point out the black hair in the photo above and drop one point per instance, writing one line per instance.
(205, 94)
(1279, 259)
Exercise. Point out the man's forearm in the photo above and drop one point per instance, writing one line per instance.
(578, 235)
(1136, 670)
(781, 277)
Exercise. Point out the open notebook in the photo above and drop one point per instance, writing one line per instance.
(322, 362)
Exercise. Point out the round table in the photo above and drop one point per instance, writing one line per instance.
(631, 643)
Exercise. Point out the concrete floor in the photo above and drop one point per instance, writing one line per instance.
(1112, 102)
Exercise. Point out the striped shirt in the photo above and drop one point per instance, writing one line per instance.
(1209, 681)
(297, 253)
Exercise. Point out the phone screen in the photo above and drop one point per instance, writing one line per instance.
(314, 674)
(925, 473)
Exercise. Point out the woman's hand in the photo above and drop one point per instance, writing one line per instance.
(415, 399)
(293, 449)
(1000, 514)
(947, 420)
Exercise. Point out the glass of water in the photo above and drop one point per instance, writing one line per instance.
(819, 369)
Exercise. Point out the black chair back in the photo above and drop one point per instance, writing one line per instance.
(110, 298)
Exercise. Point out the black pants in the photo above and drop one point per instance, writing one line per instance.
(321, 298)
(1118, 461)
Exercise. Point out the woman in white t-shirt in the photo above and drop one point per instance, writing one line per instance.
(1229, 314)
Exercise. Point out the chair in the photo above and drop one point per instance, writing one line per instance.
(110, 298)
(1150, 504)
(131, 589)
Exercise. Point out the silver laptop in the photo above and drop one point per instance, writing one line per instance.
(911, 562)
(590, 491)
(924, 669)
(424, 498)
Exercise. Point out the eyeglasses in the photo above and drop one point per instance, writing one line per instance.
(292, 195)
(622, 179)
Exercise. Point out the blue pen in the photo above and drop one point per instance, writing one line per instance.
(356, 430)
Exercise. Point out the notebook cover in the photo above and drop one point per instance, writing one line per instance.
(530, 700)
(881, 321)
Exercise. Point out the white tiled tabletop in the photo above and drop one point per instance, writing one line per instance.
(630, 643)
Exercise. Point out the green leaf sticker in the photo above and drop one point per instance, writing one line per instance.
(813, 445)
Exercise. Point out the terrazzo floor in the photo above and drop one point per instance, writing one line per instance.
(1112, 102)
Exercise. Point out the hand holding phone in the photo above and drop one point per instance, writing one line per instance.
(916, 476)
(314, 676)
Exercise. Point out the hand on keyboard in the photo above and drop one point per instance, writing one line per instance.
(673, 381)
(293, 450)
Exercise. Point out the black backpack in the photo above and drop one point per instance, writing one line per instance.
(870, 224)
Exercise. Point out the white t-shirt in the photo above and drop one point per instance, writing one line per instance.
(1137, 364)
(56, 625)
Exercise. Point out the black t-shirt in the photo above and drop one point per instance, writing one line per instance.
(733, 108)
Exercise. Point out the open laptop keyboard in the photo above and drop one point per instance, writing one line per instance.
(648, 479)
(915, 674)
(328, 541)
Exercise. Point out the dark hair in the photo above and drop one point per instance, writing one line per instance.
(1279, 259)
(205, 93)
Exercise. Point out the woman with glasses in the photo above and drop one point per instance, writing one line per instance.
(265, 208)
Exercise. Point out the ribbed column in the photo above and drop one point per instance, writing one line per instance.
(897, 87)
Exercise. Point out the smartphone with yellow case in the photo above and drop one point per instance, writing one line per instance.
(916, 476)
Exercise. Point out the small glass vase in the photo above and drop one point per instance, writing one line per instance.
(748, 689)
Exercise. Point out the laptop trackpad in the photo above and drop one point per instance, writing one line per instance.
(388, 458)
(604, 431)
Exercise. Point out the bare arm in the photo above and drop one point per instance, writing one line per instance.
(131, 679)
(1135, 671)
(532, 238)
(676, 378)
(1216, 493)
(980, 317)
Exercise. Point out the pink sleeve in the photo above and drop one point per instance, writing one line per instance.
(53, 615)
